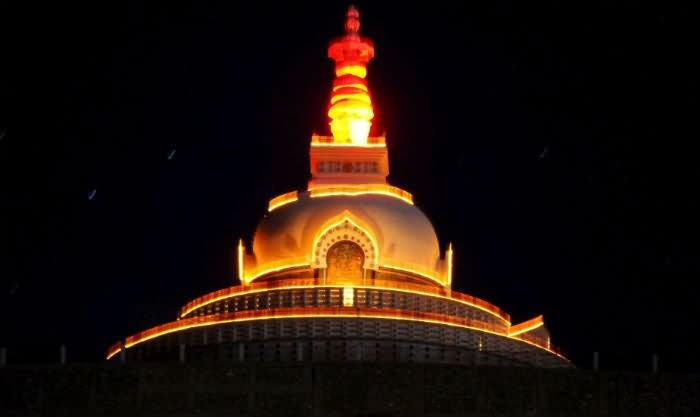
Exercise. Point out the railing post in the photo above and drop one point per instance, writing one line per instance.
(654, 363)
(62, 354)
(122, 352)
(241, 352)
(595, 361)
(182, 353)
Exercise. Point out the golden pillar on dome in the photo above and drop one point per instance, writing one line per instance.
(350, 108)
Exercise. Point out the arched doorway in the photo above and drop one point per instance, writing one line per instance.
(344, 261)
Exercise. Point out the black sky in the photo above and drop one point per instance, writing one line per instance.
(551, 143)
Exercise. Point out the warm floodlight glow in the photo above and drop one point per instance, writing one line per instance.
(348, 297)
(350, 110)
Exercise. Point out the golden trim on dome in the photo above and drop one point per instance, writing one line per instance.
(353, 190)
(283, 199)
(372, 142)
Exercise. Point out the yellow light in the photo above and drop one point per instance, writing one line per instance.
(411, 289)
(364, 97)
(318, 141)
(449, 265)
(241, 272)
(526, 326)
(356, 70)
(320, 312)
(349, 145)
(415, 271)
(348, 297)
(351, 129)
(364, 189)
(355, 85)
(283, 199)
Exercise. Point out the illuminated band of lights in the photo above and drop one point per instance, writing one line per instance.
(349, 145)
(526, 326)
(343, 190)
(327, 141)
(295, 313)
(355, 190)
(196, 304)
(283, 199)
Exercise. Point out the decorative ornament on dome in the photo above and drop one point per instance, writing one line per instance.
(350, 109)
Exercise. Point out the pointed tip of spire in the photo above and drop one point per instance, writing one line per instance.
(352, 20)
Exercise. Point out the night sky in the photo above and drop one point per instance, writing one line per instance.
(551, 144)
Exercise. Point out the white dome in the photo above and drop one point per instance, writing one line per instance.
(402, 233)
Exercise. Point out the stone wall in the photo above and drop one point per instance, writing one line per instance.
(339, 389)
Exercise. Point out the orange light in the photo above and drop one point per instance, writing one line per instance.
(241, 251)
(324, 312)
(238, 291)
(350, 110)
(283, 199)
(526, 326)
(318, 141)
(449, 265)
(363, 189)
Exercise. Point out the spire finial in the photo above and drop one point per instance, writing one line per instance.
(352, 20)
(351, 106)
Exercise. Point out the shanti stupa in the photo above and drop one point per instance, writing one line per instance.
(347, 270)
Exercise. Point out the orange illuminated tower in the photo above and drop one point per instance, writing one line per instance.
(350, 109)
(348, 269)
